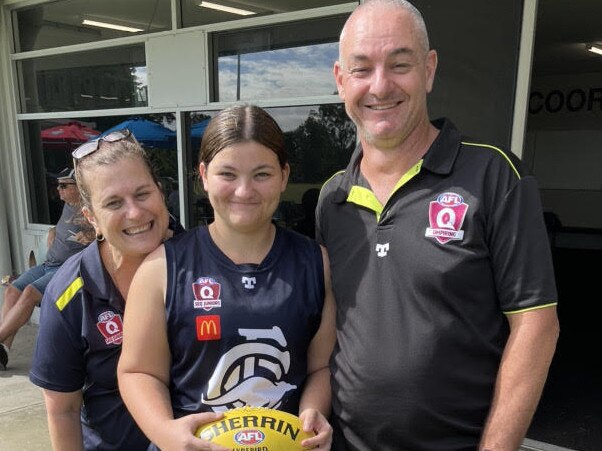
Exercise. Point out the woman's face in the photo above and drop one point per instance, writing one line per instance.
(244, 182)
(127, 207)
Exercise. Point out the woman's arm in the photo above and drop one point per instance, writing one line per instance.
(314, 406)
(64, 420)
(143, 369)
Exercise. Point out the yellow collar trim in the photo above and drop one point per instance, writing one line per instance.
(364, 197)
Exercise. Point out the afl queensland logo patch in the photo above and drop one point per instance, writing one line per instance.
(111, 327)
(446, 216)
(206, 293)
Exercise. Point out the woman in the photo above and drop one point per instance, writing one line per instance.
(239, 312)
(80, 333)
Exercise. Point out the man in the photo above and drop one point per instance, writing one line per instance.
(24, 293)
(446, 301)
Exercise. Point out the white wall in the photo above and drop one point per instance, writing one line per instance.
(564, 146)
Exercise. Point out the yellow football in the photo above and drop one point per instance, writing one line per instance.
(257, 429)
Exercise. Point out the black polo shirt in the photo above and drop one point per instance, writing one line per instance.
(422, 285)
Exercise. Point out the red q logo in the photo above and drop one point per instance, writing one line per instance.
(446, 216)
(206, 293)
(111, 327)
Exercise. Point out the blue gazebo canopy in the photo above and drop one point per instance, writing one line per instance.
(148, 133)
(198, 128)
(196, 133)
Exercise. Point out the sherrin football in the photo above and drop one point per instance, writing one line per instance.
(256, 429)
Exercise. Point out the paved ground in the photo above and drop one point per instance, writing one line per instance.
(23, 424)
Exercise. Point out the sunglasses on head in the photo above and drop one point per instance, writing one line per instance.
(64, 185)
(92, 146)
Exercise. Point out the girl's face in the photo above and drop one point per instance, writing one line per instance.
(127, 207)
(244, 183)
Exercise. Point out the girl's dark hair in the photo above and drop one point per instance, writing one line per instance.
(242, 123)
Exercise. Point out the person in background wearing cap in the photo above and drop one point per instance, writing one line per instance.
(24, 293)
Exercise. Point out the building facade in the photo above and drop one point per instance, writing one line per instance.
(72, 69)
(515, 73)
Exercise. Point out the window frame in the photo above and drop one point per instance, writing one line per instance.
(16, 90)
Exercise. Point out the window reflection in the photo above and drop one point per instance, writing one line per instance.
(100, 79)
(293, 72)
(286, 60)
(194, 14)
(56, 24)
(319, 141)
(49, 144)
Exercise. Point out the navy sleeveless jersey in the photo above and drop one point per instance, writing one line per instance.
(239, 334)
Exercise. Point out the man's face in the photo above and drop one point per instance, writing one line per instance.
(384, 75)
(68, 192)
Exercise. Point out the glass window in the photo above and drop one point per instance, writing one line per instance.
(287, 60)
(319, 141)
(67, 22)
(99, 79)
(197, 12)
(49, 144)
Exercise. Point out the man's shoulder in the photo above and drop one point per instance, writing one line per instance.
(334, 190)
(452, 145)
(71, 209)
(335, 181)
(493, 154)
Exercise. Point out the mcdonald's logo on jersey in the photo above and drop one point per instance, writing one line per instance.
(208, 328)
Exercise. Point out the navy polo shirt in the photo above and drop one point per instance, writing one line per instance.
(78, 347)
(426, 280)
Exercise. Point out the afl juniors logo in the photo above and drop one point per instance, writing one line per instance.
(111, 327)
(206, 293)
(446, 216)
(253, 372)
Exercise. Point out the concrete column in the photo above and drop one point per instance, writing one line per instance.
(5, 260)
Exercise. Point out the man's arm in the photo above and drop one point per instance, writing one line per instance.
(51, 236)
(521, 377)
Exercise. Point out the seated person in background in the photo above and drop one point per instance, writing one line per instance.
(25, 292)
